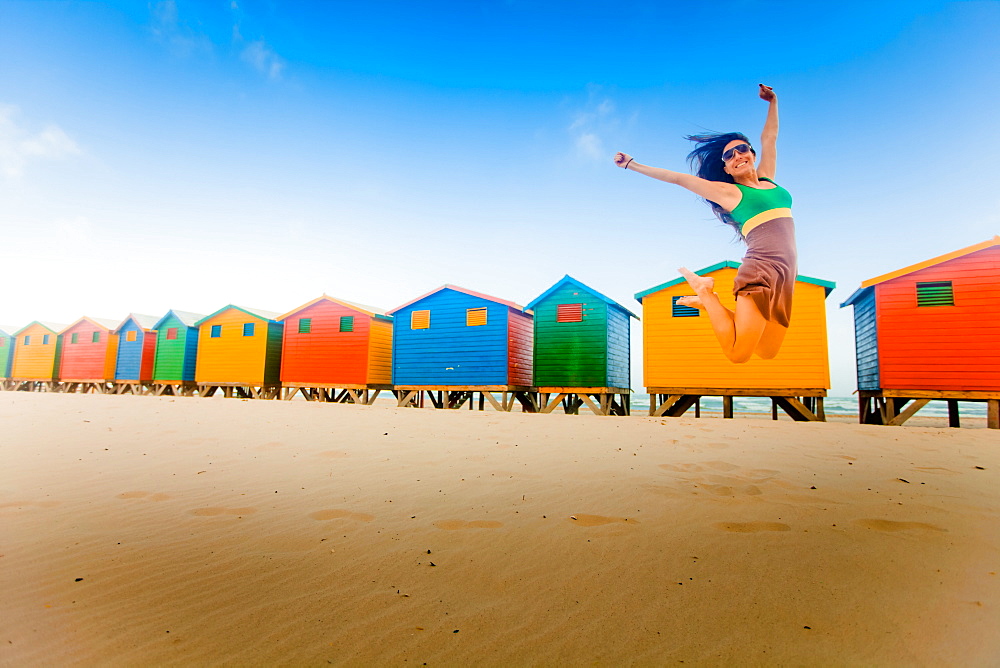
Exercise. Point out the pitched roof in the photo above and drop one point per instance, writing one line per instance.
(53, 327)
(458, 289)
(144, 321)
(995, 241)
(187, 318)
(827, 285)
(567, 279)
(255, 312)
(872, 282)
(371, 311)
(103, 323)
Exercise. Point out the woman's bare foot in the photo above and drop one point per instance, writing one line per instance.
(693, 302)
(700, 284)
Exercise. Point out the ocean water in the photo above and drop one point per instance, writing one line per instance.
(832, 406)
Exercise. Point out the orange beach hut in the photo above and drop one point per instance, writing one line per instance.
(331, 344)
(682, 360)
(87, 356)
(930, 331)
(239, 351)
(36, 353)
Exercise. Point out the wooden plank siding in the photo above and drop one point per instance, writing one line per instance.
(87, 359)
(380, 352)
(866, 342)
(684, 352)
(234, 358)
(520, 340)
(571, 354)
(175, 358)
(450, 352)
(324, 354)
(7, 342)
(34, 359)
(619, 347)
(942, 347)
(136, 358)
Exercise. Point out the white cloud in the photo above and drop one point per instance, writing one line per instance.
(168, 28)
(263, 59)
(591, 123)
(19, 145)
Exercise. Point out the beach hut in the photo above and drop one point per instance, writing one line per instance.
(581, 349)
(335, 350)
(136, 354)
(452, 343)
(930, 331)
(682, 360)
(239, 353)
(6, 353)
(36, 357)
(88, 349)
(176, 353)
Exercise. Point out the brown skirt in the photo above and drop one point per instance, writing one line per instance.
(767, 275)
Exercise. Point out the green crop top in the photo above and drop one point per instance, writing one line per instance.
(759, 205)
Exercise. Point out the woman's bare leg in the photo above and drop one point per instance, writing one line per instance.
(739, 332)
(770, 341)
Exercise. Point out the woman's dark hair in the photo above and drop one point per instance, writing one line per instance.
(706, 162)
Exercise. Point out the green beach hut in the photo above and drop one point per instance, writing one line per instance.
(176, 353)
(581, 348)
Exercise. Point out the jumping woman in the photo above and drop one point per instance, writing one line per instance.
(744, 196)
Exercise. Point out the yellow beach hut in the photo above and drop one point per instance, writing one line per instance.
(239, 353)
(36, 356)
(682, 360)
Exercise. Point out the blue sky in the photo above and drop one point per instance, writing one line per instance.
(193, 154)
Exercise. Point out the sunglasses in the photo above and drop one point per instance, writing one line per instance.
(739, 148)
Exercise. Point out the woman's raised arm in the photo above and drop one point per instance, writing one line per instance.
(725, 195)
(769, 136)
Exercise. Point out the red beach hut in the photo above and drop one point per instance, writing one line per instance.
(930, 331)
(331, 344)
(89, 348)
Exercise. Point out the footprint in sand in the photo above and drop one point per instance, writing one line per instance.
(583, 520)
(148, 496)
(892, 525)
(214, 512)
(338, 514)
(752, 527)
(682, 468)
(455, 525)
(332, 454)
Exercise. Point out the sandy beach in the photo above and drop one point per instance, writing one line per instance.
(163, 531)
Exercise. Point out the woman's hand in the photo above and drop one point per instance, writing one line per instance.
(767, 93)
(622, 159)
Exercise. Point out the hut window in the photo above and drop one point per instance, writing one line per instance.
(347, 323)
(420, 320)
(171, 333)
(248, 329)
(130, 335)
(45, 339)
(216, 331)
(681, 311)
(305, 325)
(3, 341)
(569, 312)
(27, 340)
(96, 338)
(74, 337)
(475, 317)
(939, 293)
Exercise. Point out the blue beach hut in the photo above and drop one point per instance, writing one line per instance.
(454, 339)
(136, 349)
